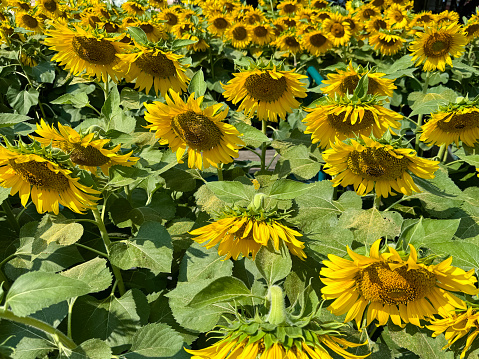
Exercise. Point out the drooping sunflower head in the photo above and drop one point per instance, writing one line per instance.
(387, 42)
(345, 82)
(51, 8)
(154, 30)
(337, 119)
(186, 127)
(84, 150)
(436, 45)
(266, 91)
(289, 7)
(27, 171)
(319, 4)
(375, 24)
(423, 18)
(366, 12)
(371, 165)
(388, 285)
(453, 123)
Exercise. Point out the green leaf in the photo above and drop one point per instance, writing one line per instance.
(328, 238)
(43, 72)
(112, 104)
(152, 249)
(464, 254)
(155, 340)
(297, 160)
(423, 232)
(77, 100)
(9, 119)
(427, 103)
(94, 273)
(138, 35)
(201, 263)
(288, 189)
(114, 320)
(220, 290)
(91, 349)
(362, 87)
(469, 214)
(250, 135)
(23, 100)
(179, 43)
(273, 265)
(231, 191)
(197, 84)
(26, 342)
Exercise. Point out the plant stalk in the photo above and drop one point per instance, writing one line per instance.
(10, 216)
(420, 117)
(277, 312)
(263, 146)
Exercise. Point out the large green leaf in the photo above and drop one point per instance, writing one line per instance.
(78, 100)
(155, 340)
(9, 119)
(91, 349)
(288, 189)
(250, 135)
(231, 191)
(220, 290)
(273, 265)
(425, 231)
(197, 84)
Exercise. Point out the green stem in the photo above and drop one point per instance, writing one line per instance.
(38, 324)
(277, 312)
(212, 64)
(441, 152)
(263, 146)
(71, 302)
(220, 172)
(377, 202)
(40, 105)
(10, 216)
(444, 158)
(107, 86)
(420, 117)
(101, 254)
(4, 280)
(107, 243)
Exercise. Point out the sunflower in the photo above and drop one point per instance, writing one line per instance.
(374, 165)
(84, 151)
(82, 51)
(354, 26)
(262, 34)
(51, 8)
(245, 233)
(379, 3)
(239, 35)
(161, 4)
(471, 30)
(89, 18)
(375, 24)
(268, 92)
(254, 16)
(446, 16)
(112, 27)
(48, 184)
(319, 4)
(453, 124)
(170, 16)
(200, 45)
(278, 27)
(422, 19)
(337, 30)
(396, 17)
(288, 41)
(218, 24)
(457, 325)
(29, 22)
(186, 127)
(436, 45)
(367, 11)
(133, 8)
(153, 30)
(316, 43)
(386, 43)
(346, 81)
(392, 287)
(288, 7)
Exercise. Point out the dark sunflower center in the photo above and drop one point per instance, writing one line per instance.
(156, 65)
(197, 130)
(135, 8)
(109, 27)
(253, 18)
(105, 13)
(24, 6)
(368, 13)
(378, 283)
(239, 33)
(378, 3)
(291, 42)
(30, 21)
(229, 6)
(392, 42)
(289, 8)
(147, 28)
(93, 20)
(398, 16)
(38, 174)
(376, 164)
(317, 40)
(351, 23)
(171, 19)
(2, 17)
(319, 5)
(87, 156)
(337, 30)
(289, 22)
(50, 5)
(438, 45)
(380, 24)
(263, 87)
(278, 29)
(260, 31)
(471, 29)
(424, 18)
(94, 51)
(459, 122)
(220, 23)
(239, 234)
(324, 16)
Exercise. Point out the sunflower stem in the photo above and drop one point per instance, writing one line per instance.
(277, 312)
(441, 152)
(38, 324)
(101, 254)
(106, 241)
(71, 302)
(444, 158)
(10, 216)
(420, 117)
(263, 146)
(220, 172)
(212, 64)
(377, 201)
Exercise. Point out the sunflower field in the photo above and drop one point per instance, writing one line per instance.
(215, 180)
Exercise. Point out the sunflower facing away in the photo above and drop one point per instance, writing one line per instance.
(81, 51)
(200, 132)
(48, 184)
(455, 326)
(84, 151)
(345, 82)
(153, 67)
(268, 92)
(451, 124)
(387, 286)
(342, 118)
(374, 165)
(436, 45)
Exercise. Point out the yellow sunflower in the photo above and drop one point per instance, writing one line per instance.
(380, 4)
(354, 26)
(239, 35)
(374, 165)
(339, 119)
(112, 27)
(337, 30)
(48, 184)
(319, 4)
(288, 7)
(389, 286)
(29, 22)
(218, 24)
(446, 16)
(81, 51)
(254, 16)
(375, 24)
(51, 8)
(268, 92)
(367, 11)
(84, 151)
(471, 30)
(424, 17)
(153, 30)
(451, 125)
(133, 8)
(241, 233)
(170, 16)
(288, 41)
(344, 82)
(316, 43)
(161, 4)
(386, 43)
(396, 17)
(262, 34)
(436, 45)
(200, 132)
(457, 325)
